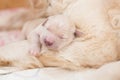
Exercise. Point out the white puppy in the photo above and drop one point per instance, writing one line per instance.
(54, 33)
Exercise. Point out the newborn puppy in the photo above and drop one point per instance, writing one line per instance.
(55, 33)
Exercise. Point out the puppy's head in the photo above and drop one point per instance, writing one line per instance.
(59, 32)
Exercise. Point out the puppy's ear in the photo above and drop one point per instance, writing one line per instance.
(78, 33)
(43, 24)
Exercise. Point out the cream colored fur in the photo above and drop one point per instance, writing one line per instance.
(98, 46)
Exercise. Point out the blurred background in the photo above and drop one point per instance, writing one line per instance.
(13, 15)
(5, 4)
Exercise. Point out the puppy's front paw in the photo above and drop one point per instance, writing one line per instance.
(34, 50)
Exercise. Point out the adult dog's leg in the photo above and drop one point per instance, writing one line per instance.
(51, 60)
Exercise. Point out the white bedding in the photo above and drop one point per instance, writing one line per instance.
(110, 71)
(44, 74)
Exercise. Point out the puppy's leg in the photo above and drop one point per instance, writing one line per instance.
(36, 38)
(33, 38)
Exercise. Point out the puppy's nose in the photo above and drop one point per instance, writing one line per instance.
(48, 42)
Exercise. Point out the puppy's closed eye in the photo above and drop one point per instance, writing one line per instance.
(63, 36)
